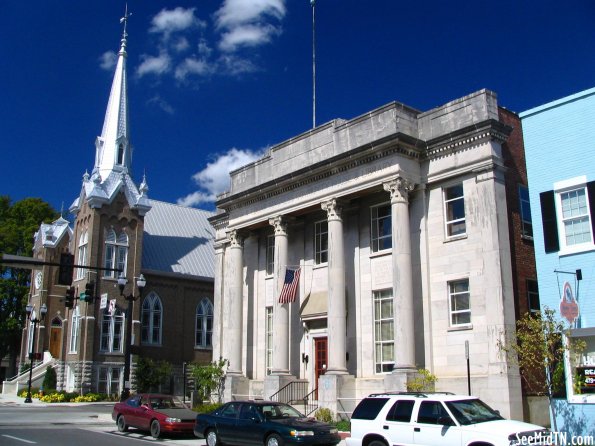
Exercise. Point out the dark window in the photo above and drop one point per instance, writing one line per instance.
(533, 296)
(248, 412)
(369, 408)
(430, 412)
(549, 221)
(526, 223)
(401, 411)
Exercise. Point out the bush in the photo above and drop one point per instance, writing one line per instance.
(206, 408)
(324, 414)
(150, 374)
(343, 425)
(423, 382)
(49, 380)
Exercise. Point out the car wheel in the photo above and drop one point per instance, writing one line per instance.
(121, 422)
(155, 429)
(377, 443)
(274, 440)
(212, 438)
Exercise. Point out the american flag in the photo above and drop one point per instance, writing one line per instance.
(290, 284)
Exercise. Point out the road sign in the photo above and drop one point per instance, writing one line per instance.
(103, 303)
(112, 307)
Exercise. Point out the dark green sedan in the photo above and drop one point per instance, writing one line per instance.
(268, 423)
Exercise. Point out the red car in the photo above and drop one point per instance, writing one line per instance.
(156, 413)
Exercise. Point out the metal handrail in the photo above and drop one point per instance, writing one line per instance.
(296, 392)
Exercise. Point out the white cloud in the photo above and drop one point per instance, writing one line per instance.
(162, 104)
(194, 66)
(247, 22)
(214, 178)
(239, 12)
(107, 61)
(175, 20)
(247, 35)
(181, 44)
(154, 64)
(233, 65)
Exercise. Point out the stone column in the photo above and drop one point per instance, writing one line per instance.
(233, 304)
(218, 290)
(336, 318)
(399, 190)
(280, 311)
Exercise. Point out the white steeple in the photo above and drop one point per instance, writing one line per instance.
(113, 151)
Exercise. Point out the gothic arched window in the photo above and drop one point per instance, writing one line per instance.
(112, 329)
(151, 319)
(116, 252)
(204, 324)
(82, 254)
(120, 159)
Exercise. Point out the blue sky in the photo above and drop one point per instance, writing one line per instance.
(214, 83)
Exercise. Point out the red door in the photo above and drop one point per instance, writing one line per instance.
(321, 356)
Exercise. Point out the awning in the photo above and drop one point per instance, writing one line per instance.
(315, 306)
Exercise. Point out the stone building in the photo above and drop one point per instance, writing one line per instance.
(118, 230)
(398, 225)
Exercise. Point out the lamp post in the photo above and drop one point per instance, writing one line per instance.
(140, 284)
(32, 317)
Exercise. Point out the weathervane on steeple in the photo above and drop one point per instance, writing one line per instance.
(125, 20)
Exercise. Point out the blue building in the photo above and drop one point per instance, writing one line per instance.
(560, 150)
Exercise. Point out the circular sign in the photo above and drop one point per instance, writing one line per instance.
(568, 305)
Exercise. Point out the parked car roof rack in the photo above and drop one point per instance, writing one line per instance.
(418, 394)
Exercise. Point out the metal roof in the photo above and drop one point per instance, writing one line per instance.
(178, 240)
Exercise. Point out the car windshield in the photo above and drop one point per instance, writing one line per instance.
(277, 411)
(472, 411)
(165, 402)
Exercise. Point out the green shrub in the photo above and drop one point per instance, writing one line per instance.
(49, 380)
(207, 407)
(343, 425)
(324, 414)
(424, 381)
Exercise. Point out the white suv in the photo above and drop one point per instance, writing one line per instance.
(445, 419)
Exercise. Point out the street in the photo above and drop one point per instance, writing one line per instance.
(89, 435)
(88, 424)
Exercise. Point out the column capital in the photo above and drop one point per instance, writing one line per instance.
(236, 239)
(333, 208)
(399, 189)
(279, 223)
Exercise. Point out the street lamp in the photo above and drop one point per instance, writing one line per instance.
(32, 317)
(140, 284)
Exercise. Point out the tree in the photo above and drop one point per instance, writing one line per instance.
(538, 348)
(210, 378)
(18, 223)
(150, 374)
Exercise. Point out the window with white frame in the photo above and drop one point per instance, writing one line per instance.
(270, 255)
(109, 380)
(454, 210)
(525, 206)
(112, 331)
(82, 254)
(116, 252)
(381, 225)
(268, 339)
(459, 303)
(384, 331)
(321, 242)
(533, 296)
(575, 217)
(75, 329)
(568, 224)
(204, 324)
(151, 319)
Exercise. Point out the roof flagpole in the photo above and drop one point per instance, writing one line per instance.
(313, 3)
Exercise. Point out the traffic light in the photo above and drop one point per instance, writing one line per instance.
(89, 290)
(66, 269)
(69, 299)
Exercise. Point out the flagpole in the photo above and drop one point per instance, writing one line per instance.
(313, 3)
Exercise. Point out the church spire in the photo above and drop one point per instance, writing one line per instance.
(113, 151)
